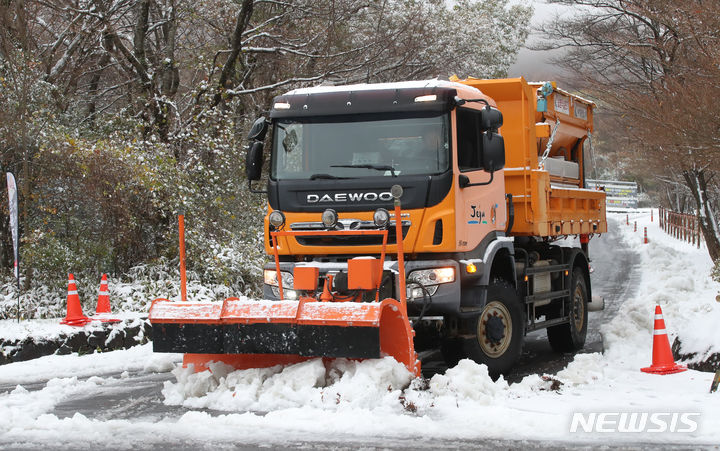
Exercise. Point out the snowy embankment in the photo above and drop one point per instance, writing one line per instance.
(676, 276)
(30, 339)
(372, 401)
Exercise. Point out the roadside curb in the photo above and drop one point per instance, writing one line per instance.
(109, 337)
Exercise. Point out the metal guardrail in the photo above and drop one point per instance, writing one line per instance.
(681, 226)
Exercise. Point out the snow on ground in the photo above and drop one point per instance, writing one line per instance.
(376, 400)
(47, 329)
(137, 358)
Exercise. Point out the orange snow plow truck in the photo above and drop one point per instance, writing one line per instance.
(402, 214)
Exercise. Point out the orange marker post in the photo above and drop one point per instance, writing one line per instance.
(183, 279)
(401, 256)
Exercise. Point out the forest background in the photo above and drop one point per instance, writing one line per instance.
(116, 115)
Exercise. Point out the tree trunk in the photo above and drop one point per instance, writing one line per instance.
(697, 182)
(228, 71)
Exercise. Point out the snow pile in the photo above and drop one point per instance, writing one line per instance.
(382, 385)
(340, 384)
(467, 381)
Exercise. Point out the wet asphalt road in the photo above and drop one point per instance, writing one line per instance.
(138, 397)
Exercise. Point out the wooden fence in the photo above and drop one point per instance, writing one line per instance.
(681, 226)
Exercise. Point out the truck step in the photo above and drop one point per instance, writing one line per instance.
(548, 323)
(547, 295)
(546, 269)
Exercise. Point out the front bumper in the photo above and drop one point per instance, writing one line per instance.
(453, 298)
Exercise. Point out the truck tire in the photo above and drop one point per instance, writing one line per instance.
(571, 336)
(497, 333)
(451, 350)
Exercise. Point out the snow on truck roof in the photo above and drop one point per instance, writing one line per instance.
(433, 83)
(427, 96)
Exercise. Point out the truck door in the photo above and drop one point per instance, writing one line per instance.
(481, 208)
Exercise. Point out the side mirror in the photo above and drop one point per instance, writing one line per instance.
(493, 151)
(490, 118)
(258, 129)
(254, 161)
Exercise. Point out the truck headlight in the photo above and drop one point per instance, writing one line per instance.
(430, 279)
(270, 278)
(276, 219)
(433, 276)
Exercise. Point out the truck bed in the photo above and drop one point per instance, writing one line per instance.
(545, 209)
(549, 194)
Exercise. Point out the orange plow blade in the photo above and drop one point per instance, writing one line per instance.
(253, 334)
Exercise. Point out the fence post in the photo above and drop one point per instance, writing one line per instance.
(683, 230)
(661, 212)
(674, 224)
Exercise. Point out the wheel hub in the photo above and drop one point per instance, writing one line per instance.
(494, 329)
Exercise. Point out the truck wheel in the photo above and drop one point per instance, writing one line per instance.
(571, 337)
(497, 333)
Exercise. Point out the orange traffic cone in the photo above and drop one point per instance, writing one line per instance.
(662, 359)
(103, 303)
(74, 316)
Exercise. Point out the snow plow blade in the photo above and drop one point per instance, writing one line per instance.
(247, 333)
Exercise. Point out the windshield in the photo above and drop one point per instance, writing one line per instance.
(338, 150)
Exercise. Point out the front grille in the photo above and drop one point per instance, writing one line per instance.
(351, 240)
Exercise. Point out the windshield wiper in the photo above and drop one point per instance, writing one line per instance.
(377, 167)
(327, 176)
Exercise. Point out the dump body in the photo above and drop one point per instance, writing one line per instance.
(550, 201)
